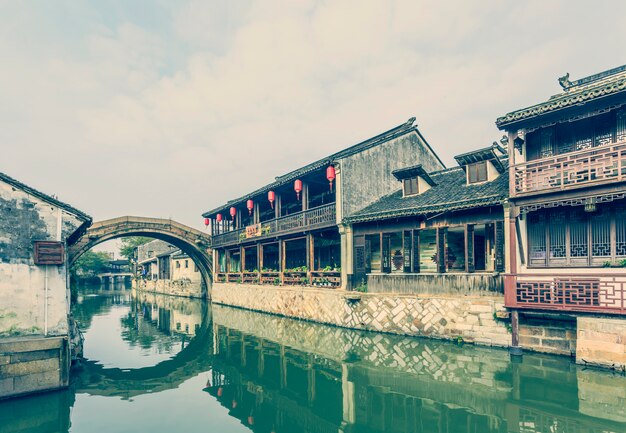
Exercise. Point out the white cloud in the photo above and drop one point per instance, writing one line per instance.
(173, 118)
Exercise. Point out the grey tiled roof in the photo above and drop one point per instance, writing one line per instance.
(398, 131)
(43, 196)
(450, 193)
(577, 92)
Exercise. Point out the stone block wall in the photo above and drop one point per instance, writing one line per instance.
(30, 365)
(548, 335)
(471, 318)
(602, 341)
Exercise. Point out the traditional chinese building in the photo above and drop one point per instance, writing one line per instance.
(440, 231)
(567, 220)
(291, 231)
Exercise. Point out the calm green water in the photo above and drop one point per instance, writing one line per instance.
(161, 364)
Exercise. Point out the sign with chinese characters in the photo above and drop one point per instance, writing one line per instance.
(253, 230)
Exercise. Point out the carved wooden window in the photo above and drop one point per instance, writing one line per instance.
(477, 172)
(573, 237)
(410, 186)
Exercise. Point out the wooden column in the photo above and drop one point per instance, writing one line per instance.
(310, 256)
(256, 216)
(242, 259)
(305, 196)
(259, 257)
(277, 206)
(281, 258)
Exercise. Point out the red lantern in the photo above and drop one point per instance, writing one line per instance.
(218, 218)
(206, 222)
(271, 196)
(233, 212)
(297, 186)
(220, 391)
(250, 206)
(330, 175)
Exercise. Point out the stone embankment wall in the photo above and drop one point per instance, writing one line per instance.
(183, 287)
(33, 364)
(602, 341)
(471, 318)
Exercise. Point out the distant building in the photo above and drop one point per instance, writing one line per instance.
(162, 268)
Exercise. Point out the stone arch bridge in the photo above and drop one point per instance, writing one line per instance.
(193, 242)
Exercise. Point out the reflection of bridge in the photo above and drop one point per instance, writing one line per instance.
(195, 358)
(194, 243)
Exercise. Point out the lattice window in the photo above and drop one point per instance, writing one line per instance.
(601, 235)
(578, 236)
(557, 230)
(572, 237)
(620, 232)
(620, 131)
(537, 238)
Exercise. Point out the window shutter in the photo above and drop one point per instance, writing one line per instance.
(469, 247)
(499, 265)
(416, 251)
(386, 253)
(49, 253)
(441, 250)
(407, 250)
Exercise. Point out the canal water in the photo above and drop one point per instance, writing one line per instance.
(164, 364)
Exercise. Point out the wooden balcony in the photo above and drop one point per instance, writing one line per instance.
(595, 166)
(316, 218)
(592, 293)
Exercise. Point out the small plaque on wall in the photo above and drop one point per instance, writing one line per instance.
(49, 253)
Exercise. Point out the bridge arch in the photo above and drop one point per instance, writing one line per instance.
(194, 243)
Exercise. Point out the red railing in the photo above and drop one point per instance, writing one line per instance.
(602, 164)
(602, 293)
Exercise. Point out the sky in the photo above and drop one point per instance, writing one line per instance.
(170, 108)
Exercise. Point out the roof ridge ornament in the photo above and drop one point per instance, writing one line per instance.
(411, 121)
(564, 82)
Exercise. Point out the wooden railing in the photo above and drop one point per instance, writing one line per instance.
(319, 217)
(598, 165)
(329, 279)
(601, 293)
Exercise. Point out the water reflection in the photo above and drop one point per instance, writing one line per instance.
(161, 363)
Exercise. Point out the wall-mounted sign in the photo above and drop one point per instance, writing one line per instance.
(253, 230)
(49, 253)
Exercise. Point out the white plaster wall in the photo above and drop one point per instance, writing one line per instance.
(24, 219)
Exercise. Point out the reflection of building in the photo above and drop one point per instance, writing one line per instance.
(341, 380)
(290, 231)
(449, 221)
(568, 210)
